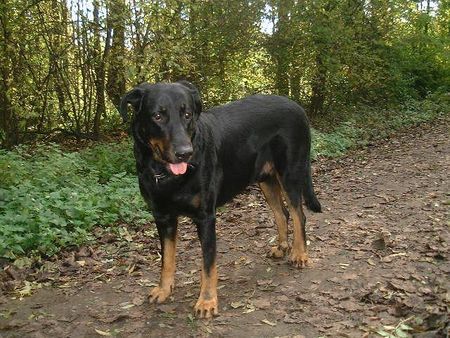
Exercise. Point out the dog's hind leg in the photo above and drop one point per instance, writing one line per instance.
(292, 193)
(272, 192)
(299, 254)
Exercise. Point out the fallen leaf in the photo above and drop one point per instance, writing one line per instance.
(261, 282)
(249, 308)
(103, 333)
(261, 303)
(371, 262)
(236, 305)
(28, 288)
(125, 234)
(265, 321)
(131, 268)
(207, 329)
(388, 259)
(126, 305)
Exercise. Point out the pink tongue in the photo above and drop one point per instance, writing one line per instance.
(178, 168)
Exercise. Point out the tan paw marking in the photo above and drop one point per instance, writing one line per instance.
(159, 294)
(279, 251)
(299, 259)
(206, 308)
(276, 252)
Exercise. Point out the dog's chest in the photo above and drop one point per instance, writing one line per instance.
(182, 202)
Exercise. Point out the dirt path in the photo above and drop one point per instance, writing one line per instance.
(379, 258)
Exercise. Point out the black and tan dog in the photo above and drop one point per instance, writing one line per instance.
(190, 163)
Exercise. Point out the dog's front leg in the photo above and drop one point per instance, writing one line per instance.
(207, 304)
(167, 230)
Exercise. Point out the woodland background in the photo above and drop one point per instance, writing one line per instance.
(78, 247)
(65, 64)
(361, 68)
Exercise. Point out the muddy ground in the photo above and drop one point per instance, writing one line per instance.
(378, 262)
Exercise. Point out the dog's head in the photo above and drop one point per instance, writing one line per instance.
(164, 120)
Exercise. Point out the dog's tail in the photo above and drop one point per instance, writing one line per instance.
(309, 195)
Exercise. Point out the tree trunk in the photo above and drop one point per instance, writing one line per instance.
(318, 87)
(116, 69)
(281, 46)
(99, 71)
(9, 128)
(139, 41)
(295, 85)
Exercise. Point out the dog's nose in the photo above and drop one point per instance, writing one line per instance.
(184, 153)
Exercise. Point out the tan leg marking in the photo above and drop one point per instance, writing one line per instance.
(272, 192)
(160, 293)
(299, 254)
(268, 169)
(207, 304)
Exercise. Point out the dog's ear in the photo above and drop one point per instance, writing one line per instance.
(195, 95)
(134, 97)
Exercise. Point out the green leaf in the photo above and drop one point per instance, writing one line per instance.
(383, 333)
(405, 327)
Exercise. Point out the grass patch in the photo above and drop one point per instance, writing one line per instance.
(51, 199)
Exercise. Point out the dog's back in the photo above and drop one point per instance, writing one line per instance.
(252, 134)
(256, 112)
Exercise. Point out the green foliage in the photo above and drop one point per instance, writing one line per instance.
(51, 199)
(110, 159)
(401, 330)
(335, 143)
(369, 123)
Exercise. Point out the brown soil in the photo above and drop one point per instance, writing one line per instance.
(378, 259)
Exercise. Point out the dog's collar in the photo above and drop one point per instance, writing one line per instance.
(159, 174)
(159, 177)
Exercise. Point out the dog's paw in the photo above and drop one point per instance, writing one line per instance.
(298, 259)
(206, 308)
(278, 251)
(159, 294)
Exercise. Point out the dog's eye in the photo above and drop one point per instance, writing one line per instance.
(157, 117)
(187, 115)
